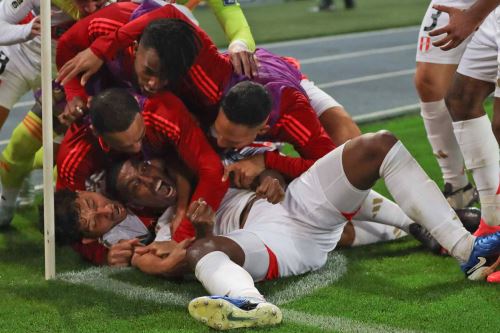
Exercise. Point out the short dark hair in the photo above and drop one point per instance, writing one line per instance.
(113, 110)
(177, 44)
(112, 180)
(67, 218)
(247, 103)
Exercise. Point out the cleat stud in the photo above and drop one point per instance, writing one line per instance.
(221, 304)
(218, 326)
(204, 320)
(274, 312)
(206, 302)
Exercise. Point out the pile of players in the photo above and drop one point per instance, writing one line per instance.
(170, 159)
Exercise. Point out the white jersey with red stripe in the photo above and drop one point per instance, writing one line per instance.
(433, 19)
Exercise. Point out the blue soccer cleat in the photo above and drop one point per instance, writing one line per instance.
(483, 259)
(223, 313)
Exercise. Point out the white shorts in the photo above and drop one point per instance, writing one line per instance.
(271, 226)
(15, 80)
(433, 19)
(497, 37)
(480, 58)
(320, 100)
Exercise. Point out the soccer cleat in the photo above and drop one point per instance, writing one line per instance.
(425, 237)
(461, 198)
(483, 259)
(470, 218)
(223, 313)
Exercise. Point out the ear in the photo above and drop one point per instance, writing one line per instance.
(135, 46)
(264, 129)
(86, 241)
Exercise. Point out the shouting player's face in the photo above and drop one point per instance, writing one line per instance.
(87, 7)
(128, 141)
(147, 184)
(235, 136)
(98, 214)
(147, 69)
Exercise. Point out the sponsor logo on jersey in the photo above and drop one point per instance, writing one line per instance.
(16, 3)
(229, 2)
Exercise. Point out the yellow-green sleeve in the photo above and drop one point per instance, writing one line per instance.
(233, 21)
(68, 7)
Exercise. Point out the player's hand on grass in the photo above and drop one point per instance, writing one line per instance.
(244, 172)
(85, 63)
(202, 216)
(460, 26)
(120, 254)
(74, 110)
(244, 61)
(36, 28)
(270, 188)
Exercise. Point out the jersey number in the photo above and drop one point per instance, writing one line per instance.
(434, 18)
(3, 61)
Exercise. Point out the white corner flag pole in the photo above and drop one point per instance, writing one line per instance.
(48, 187)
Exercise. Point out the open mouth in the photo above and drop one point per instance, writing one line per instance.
(166, 190)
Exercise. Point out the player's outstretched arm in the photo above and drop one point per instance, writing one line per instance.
(462, 22)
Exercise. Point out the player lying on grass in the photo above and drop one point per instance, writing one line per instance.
(295, 236)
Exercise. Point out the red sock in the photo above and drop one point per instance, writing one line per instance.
(485, 229)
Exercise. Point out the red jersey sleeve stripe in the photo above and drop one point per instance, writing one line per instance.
(75, 156)
(202, 85)
(164, 125)
(210, 83)
(77, 163)
(295, 131)
(69, 159)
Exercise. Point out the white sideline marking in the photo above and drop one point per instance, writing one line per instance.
(388, 113)
(337, 324)
(366, 78)
(363, 53)
(339, 37)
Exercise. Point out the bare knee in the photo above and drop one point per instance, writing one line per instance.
(377, 145)
(199, 249)
(433, 80)
(466, 96)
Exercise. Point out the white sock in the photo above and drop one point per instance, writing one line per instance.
(438, 125)
(9, 197)
(377, 208)
(367, 232)
(222, 277)
(423, 202)
(480, 150)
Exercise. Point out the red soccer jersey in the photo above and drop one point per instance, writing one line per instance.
(169, 127)
(108, 31)
(298, 124)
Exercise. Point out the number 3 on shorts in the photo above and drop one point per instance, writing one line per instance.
(3, 61)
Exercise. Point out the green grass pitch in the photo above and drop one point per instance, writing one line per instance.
(395, 286)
